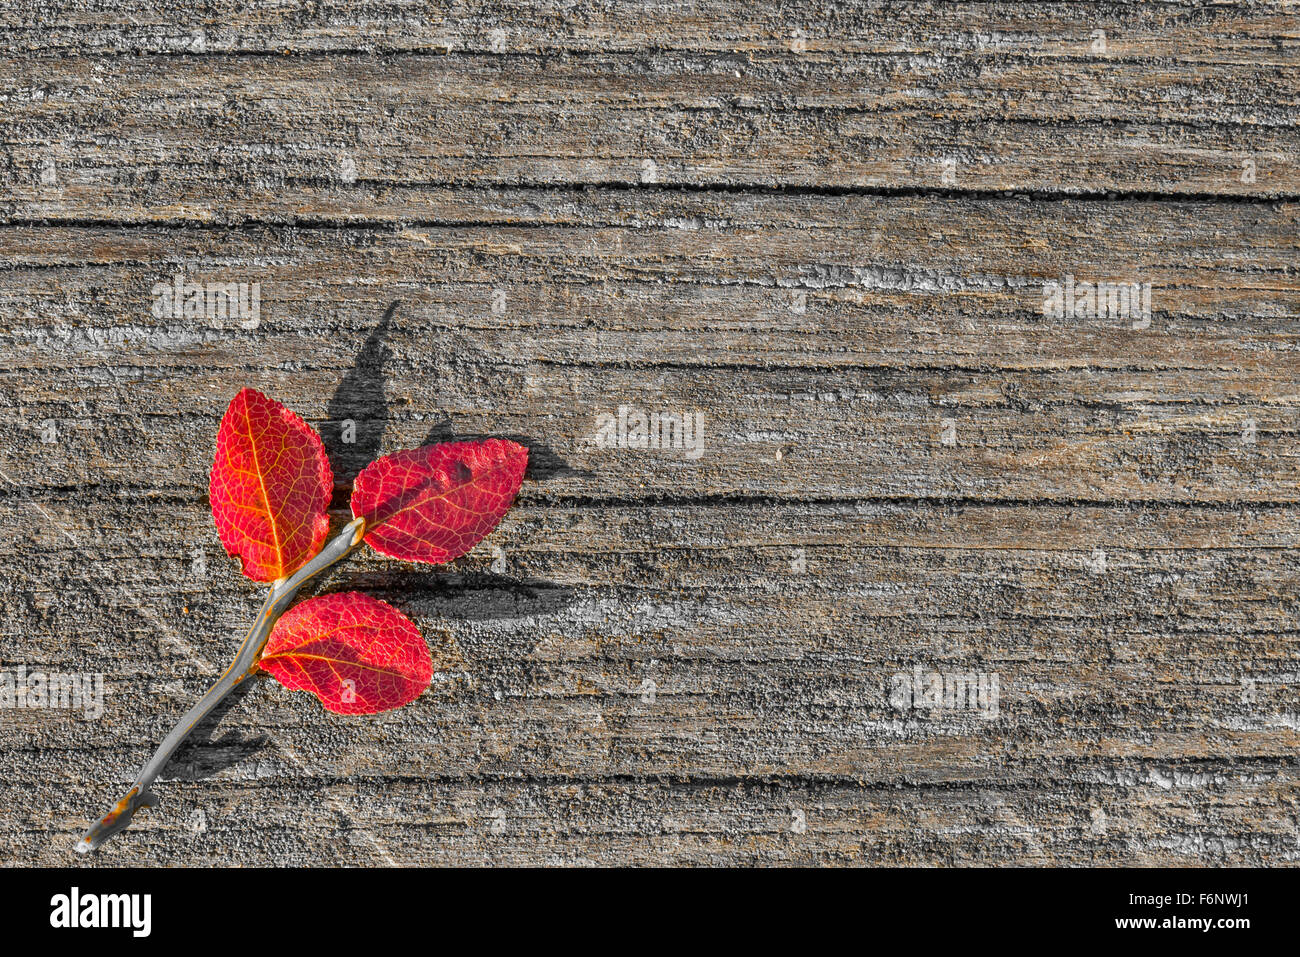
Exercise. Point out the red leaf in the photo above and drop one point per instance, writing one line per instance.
(270, 487)
(435, 503)
(356, 653)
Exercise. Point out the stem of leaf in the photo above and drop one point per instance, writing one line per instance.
(281, 596)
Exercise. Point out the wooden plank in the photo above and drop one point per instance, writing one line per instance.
(1204, 814)
(1189, 29)
(917, 105)
(920, 367)
(763, 667)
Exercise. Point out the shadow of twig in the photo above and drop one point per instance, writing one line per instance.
(200, 757)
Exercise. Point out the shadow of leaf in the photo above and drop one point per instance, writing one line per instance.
(448, 606)
(358, 412)
(543, 464)
(460, 596)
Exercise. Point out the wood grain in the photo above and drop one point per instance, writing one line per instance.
(660, 659)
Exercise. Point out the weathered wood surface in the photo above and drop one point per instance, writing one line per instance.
(346, 134)
(494, 220)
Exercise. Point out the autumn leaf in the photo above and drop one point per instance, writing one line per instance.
(435, 503)
(357, 654)
(270, 487)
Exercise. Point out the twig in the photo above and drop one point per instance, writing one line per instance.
(245, 664)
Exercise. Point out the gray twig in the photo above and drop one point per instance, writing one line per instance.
(245, 664)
